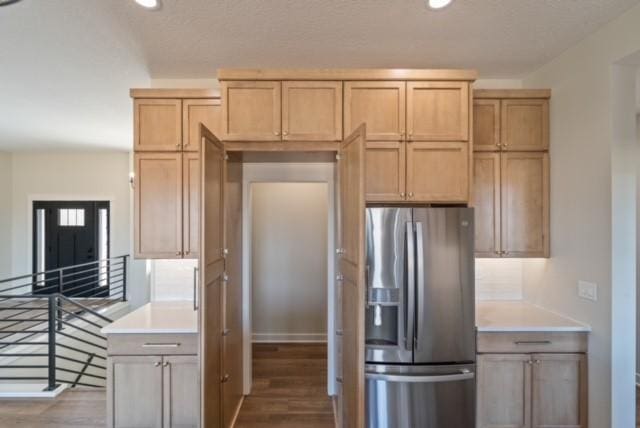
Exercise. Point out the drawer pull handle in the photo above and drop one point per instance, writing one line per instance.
(532, 342)
(160, 345)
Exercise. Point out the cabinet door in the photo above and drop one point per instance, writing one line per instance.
(135, 392)
(559, 391)
(525, 124)
(194, 112)
(504, 391)
(486, 203)
(486, 125)
(312, 111)
(181, 391)
(438, 111)
(525, 204)
(158, 205)
(157, 125)
(191, 204)
(437, 172)
(385, 171)
(380, 105)
(251, 111)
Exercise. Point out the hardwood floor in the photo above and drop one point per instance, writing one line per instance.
(289, 388)
(73, 409)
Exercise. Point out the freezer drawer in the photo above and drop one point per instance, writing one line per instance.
(418, 396)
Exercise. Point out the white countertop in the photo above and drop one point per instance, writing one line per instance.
(511, 316)
(157, 317)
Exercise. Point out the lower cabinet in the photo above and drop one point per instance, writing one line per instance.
(532, 391)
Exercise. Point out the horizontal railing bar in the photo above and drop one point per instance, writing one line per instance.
(19, 322)
(23, 378)
(81, 362)
(72, 315)
(16, 323)
(23, 331)
(106, 268)
(25, 367)
(82, 340)
(77, 372)
(86, 309)
(106, 303)
(62, 268)
(22, 343)
(83, 330)
(24, 320)
(80, 351)
(2, 354)
(94, 284)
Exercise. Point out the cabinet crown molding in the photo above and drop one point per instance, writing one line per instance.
(174, 93)
(346, 74)
(512, 93)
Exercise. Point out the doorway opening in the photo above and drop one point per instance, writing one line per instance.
(288, 241)
(69, 233)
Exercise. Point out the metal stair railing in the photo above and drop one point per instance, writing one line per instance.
(54, 317)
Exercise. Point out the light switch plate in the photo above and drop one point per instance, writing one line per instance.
(588, 290)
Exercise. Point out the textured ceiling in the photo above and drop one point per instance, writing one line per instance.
(66, 65)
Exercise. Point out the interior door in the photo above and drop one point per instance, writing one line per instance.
(351, 171)
(212, 277)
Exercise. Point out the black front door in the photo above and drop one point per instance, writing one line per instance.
(71, 236)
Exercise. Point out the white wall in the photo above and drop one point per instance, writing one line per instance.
(289, 261)
(75, 176)
(5, 215)
(585, 198)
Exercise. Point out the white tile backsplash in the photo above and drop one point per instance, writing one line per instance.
(172, 279)
(499, 279)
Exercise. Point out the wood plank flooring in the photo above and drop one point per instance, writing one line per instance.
(289, 388)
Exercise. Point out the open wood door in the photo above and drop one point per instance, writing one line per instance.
(212, 275)
(351, 286)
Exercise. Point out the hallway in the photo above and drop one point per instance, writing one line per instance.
(289, 388)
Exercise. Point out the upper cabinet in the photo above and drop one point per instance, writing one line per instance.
(251, 111)
(380, 105)
(438, 111)
(312, 110)
(511, 120)
(197, 111)
(157, 124)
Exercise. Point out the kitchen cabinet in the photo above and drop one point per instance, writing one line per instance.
(437, 172)
(532, 380)
(312, 110)
(380, 105)
(158, 205)
(438, 111)
(190, 205)
(386, 171)
(511, 201)
(180, 381)
(251, 110)
(157, 124)
(511, 120)
(197, 111)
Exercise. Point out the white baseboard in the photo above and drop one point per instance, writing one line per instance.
(289, 337)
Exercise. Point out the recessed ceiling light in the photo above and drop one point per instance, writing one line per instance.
(149, 4)
(438, 4)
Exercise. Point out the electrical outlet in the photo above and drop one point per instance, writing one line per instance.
(588, 290)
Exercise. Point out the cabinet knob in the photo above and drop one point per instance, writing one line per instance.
(178, 253)
(165, 364)
(339, 379)
(225, 378)
(285, 133)
(187, 253)
(411, 194)
(402, 195)
(178, 145)
(276, 133)
(157, 364)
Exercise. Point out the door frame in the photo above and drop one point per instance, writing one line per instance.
(288, 172)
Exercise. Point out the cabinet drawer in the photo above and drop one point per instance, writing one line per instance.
(152, 344)
(530, 342)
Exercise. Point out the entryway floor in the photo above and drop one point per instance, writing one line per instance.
(289, 388)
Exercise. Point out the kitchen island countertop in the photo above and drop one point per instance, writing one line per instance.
(520, 316)
(157, 317)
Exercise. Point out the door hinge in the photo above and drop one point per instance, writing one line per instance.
(340, 251)
(225, 157)
(337, 156)
(339, 277)
(225, 277)
(225, 252)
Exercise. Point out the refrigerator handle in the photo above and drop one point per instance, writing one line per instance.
(464, 374)
(420, 276)
(411, 286)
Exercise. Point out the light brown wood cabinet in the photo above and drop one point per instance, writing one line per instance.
(151, 390)
(438, 111)
(251, 111)
(380, 105)
(511, 201)
(511, 120)
(532, 391)
(190, 204)
(157, 124)
(386, 171)
(312, 110)
(197, 111)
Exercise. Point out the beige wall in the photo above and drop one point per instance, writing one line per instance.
(289, 260)
(75, 176)
(584, 200)
(5, 215)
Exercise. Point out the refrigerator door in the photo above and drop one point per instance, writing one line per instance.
(445, 297)
(420, 396)
(387, 316)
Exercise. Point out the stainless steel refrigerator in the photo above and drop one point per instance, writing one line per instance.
(420, 318)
